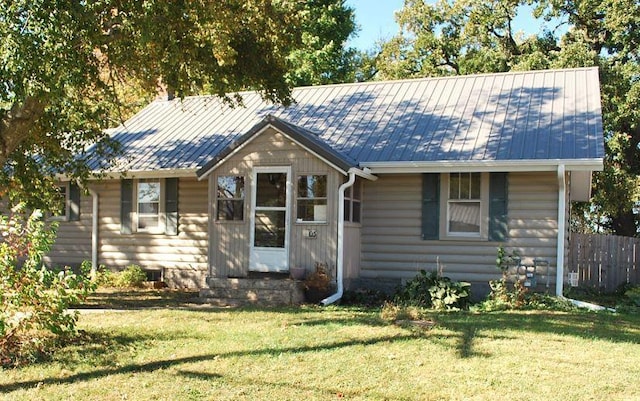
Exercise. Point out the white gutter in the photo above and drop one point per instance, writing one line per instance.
(94, 233)
(443, 166)
(562, 205)
(340, 262)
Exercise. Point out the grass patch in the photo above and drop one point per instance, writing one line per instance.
(338, 352)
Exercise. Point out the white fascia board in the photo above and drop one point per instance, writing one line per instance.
(162, 173)
(445, 166)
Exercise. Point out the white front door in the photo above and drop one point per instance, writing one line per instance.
(270, 208)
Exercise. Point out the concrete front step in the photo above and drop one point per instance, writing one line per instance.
(252, 291)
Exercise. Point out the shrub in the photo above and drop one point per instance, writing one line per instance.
(33, 299)
(430, 290)
(131, 277)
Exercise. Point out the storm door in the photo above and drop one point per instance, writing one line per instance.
(270, 210)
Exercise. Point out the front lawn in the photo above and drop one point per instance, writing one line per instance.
(310, 353)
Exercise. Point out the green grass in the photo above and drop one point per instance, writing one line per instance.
(310, 353)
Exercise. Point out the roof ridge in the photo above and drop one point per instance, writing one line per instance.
(397, 81)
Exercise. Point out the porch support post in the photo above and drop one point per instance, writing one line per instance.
(340, 257)
(562, 205)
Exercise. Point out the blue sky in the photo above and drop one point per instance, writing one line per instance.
(376, 21)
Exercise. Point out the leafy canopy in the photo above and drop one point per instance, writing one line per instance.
(68, 70)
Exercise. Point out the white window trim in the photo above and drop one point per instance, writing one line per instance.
(483, 235)
(160, 229)
(298, 198)
(67, 204)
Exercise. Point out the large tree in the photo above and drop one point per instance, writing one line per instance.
(323, 57)
(70, 69)
(471, 36)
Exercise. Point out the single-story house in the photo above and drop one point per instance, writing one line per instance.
(378, 180)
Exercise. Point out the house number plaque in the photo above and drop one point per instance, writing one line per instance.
(312, 234)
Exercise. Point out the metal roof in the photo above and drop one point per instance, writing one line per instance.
(503, 117)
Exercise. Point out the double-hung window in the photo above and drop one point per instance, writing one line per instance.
(312, 198)
(464, 204)
(148, 196)
(230, 198)
(62, 206)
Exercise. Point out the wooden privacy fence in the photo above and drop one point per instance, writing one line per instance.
(604, 261)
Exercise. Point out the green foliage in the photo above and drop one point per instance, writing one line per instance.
(33, 299)
(633, 295)
(131, 277)
(430, 290)
(72, 69)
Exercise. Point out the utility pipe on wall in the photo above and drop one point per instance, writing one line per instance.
(94, 233)
(562, 204)
(340, 257)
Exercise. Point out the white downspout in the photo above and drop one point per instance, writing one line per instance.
(94, 233)
(562, 204)
(340, 260)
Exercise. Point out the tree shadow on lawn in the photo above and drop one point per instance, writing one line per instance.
(167, 363)
(587, 325)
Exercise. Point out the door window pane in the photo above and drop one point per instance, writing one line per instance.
(269, 228)
(271, 189)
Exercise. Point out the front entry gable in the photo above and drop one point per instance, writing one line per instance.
(307, 139)
(251, 230)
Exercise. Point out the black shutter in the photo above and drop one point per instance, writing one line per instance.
(126, 206)
(171, 206)
(498, 219)
(74, 202)
(430, 205)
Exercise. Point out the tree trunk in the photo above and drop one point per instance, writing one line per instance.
(16, 124)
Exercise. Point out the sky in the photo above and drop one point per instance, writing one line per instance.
(376, 21)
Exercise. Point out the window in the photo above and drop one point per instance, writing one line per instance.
(62, 204)
(352, 202)
(67, 203)
(312, 198)
(230, 198)
(148, 205)
(463, 206)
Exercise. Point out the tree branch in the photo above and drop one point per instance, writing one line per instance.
(16, 123)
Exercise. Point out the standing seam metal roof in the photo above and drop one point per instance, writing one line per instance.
(535, 115)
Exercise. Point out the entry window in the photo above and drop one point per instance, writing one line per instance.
(463, 206)
(148, 202)
(352, 202)
(230, 195)
(312, 198)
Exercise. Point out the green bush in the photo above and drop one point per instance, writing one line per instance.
(34, 300)
(131, 277)
(633, 295)
(430, 290)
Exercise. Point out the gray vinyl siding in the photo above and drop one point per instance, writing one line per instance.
(182, 257)
(352, 247)
(391, 230)
(230, 241)
(73, 241)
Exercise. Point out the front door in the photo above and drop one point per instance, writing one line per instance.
(270, 208)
